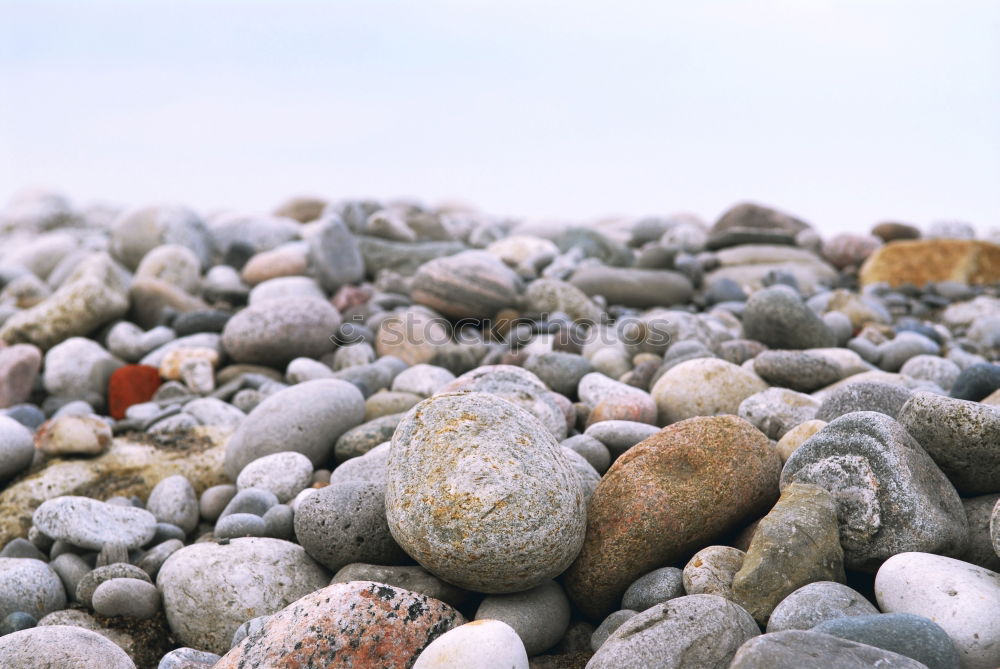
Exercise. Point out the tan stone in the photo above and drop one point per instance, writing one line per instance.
(173, 363)
(796, 436)
(924, 260)
(73, 435)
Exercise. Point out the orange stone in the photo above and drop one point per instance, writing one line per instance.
(131, 384)
(922, 261)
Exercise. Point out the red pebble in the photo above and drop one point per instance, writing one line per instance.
(131, 384)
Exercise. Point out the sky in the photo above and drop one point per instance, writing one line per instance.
(844, 112)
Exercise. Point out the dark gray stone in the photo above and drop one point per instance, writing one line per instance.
(335, 256)
(778, 317)
(235, 525)
(656, 587)
(540, 616)
(976, 382)
(795, 649)
(633, 287)
(359, 440)
(904, 633)
(884, 398)
(560, 371)
(275, 332)
(608, 626)
(798, 370)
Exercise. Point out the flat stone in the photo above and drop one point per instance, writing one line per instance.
(817, 602)
(797, 370)
(976, 382)
(748, 222)
(914, 636)
(549, 296)
(794, 649)
(126, 598)
(471, 284)
(633, 287)
(93, 579)
(88, 523)
(409, 577)
(779, 318)
(275, 332)
(360, 439)
(335, 256)
(61, 646)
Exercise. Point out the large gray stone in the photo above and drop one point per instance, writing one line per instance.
(57, 646)
(914, 636)
(886, 398)
(891, 496)
(89, 523)
(275, 332)
(335, 256)
(471, 284)
(795, 649)
(480, 493)
(30, 586)
(633, 287)
(778, 317)
(816, 602)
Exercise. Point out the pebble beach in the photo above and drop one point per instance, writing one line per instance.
(359, 433)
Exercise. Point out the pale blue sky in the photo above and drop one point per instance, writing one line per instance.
(843, 112)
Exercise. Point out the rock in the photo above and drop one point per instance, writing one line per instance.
(539, 616)
(608, 626)
(275, 332)
(403, 257)
(940, 371)
(61, 646)
(979, 550)
(687, 632)
(17, 448)
(88, 523)
(284, 474)
(797, 436)
(654, 588)
(891, 496)
(711, 571)
(422, 379)
(413, 578)
(130, 385)
(370, 467)
(963, 599)
(359, 440)
(94, 578)
(210, 589)
(884, 398)
(188, 658)
(513, 498)
(255, 501)
(560, 371)
(285, 287)
(317, 412)
(137, 232)
(797, 370)
(549, 296)
(481, 644)
(19, 366)
(129, 342)
(894, 353)
(976, 382)
(471, 284)
(796, 543)
(960, 436)
(335, 256)
(645, 515)
(620, 435)
(126, 597)
(776, 411)
(73, 435)
(816, 602)
(75, 369)
(891, 231)
(173, 264)
(703, 387)
(216, 413)
(594, 452)
(755, 265)
(344, 523)
(237, 235)
(846, 249)
(793, 649)
(749, 223)
(235, 525)
(633, 287)
(347, 624)
(925, 260)
(914, 636)
(779, 318)
(290, 259)
(613, 400)
(414, 335)
(29, 586)
(173, 500)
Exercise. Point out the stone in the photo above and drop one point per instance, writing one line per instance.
(779, 318)
(389, 402)
(73, 435)
(711, 571)
(549, 296)
(370, 467)
(130, 385)
(797, 436)
(502, 516)
(925, 260)
(703, 387)
(471, 284)
(914, 636)
(188, 658)
(215, 413)
(22, 548)
(138, 231)
(687, 632)
(361, 439)
(284, 474)
(777, 411)
(93, 579)
(284, 288)
(29, 586)
(891, 496)
(894, 353)
(620, 435)
(586, 475)
(275, 332)
(19, 366)
(757, 265)
(88, 523)
(792, 649)
(403, 257)
(815, 603)
(173, 264)
(153, 300)
(979, 550)
(317, 412)
(413, 335)
(408, 577)
(961, 437)
(352, 624)
(130, 343)
(654, 588)
(17, 448)
(127, 598)
(750, 223)
(335, 256)
(15, 622)
(235, 525)
(210, 589)
(614, 400)
(962, 598)
(344, 523)
(287, 260)
(891, 231)
(645, 514)
(71, 367)
(481, 644)
(153, 559)
(796, 543)
(61, 646)
(633, 287)
(884, 398)
(849, 250)
(255, 501)
(539, 616)
(593, 451)
(940, 371)
(608, 626)
(559, 370)
(173, 500)
(797, 370)
(976, 382)
(422, 379)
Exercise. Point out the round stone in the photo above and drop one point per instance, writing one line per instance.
(797, 370)
(654, 588)
(188, 658)
(711, 571)
(512, 495)
(88, 523)
(703, 387)
(29, 586)
(608, 626)
(811, 604)
(254, 501)
(471, 284)
(409, 577)
(126, 598)
(19, 366)
(138, 231)
(94, 578)
(17, 448)
(284, 474)
(778, 317)
(275, 332)
(539, 616)
(935, 369)
(910, 635)
(620, 435)
(215, 499)
(559, 370)
(73, 435)
(173, 500)
(884, 398)
(240, 525)
(481, 644)
(776, 411)
(422, 379)
(61, 646)
(792, 649)
(976, 382)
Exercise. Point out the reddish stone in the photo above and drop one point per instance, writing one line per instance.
(131, 384)
(355, 624)
(350, 296)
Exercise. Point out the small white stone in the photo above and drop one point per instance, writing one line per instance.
(285, 474)
(481, 644)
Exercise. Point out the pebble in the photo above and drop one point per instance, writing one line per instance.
(127, 598)
(88, 523)
(274, 332)
(359, 440)
(22, 548)
(891, 496)
(61, 646)
(559, 370)
(214, 412)
(334, 255)
(797, 436)
(894, 353)
(711, 571)
(690, 631)
(153, 559)
(540, 616)
(593, 451)
(19, 367)
(344, 523)
(940, 371)
(793, 649)
(214, 500)
(613, 400)
(620, 435)
(633, 287)
(422, 379)
(71, 568)
(979, 550)
(777, 411)
(130, 385)
(254, 501)
(408, 577)
(797, 370)
(471, 284)
(911, 635)
(976, 382)
(608, 626)
(15, 622)
(188, 658)
(654, 588)
(240, 525)
(779, 318)
(210, 589)
(16, 448)
(437, 487)
(73, 435)
(481, 644)
(884, 398)
(93, 579)
(284, 474)
(283, 288)
(29, 586)
(703, 387)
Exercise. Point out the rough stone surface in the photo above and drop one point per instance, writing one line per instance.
(61, 646)
(30, 586)
(797, 370)
(794, 649)
(356, 624)
(285, 474)
(711, 571)
(777, 411)
(275, 332)
(703, 387)
(884, 398)
(925, 260)
(891, 496)
(89, 523)
(980, 550)
(408, 577)
(778, 317)
(667, 497)
(481, 495)
(914, 636)
(654, 588)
